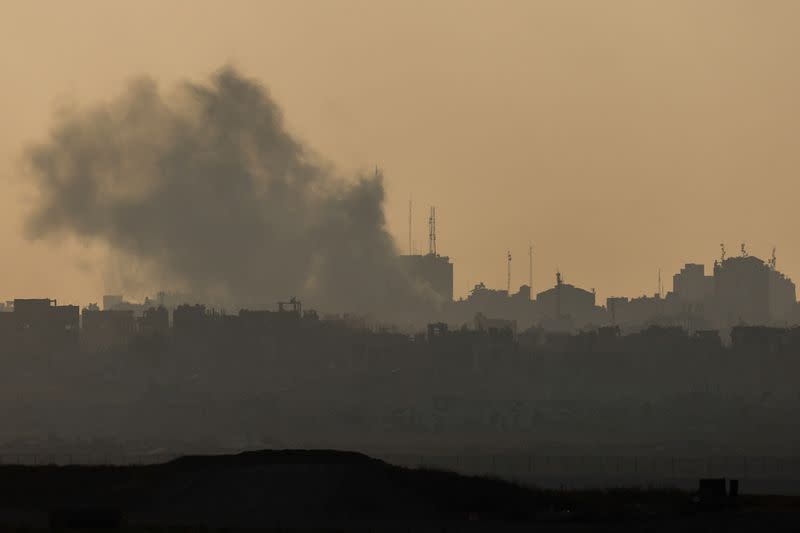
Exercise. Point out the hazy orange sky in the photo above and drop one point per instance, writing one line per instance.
(618, 137)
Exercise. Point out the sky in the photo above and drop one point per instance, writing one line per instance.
(618, 137)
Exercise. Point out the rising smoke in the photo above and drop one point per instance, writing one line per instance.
(209, 190)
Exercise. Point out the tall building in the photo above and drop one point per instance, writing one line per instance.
(433, 270)
(42, 323)
(106, 328)
(691, 285)
(741, 291)
(782, 296)
(566, 306)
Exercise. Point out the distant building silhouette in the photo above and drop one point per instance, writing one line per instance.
(106, 328)
(566, 306)
(433, 270)
(37, 324)
(691, 285)
(495, 326)
(154, 320)
(748, 291)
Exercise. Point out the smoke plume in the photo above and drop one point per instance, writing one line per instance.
(208, 189)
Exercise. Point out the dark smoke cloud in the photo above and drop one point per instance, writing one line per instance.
(209, 190)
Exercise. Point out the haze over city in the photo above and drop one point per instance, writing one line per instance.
(373, 265)
(618, 138)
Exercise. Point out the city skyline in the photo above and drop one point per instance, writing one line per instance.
(619, 139)
(665, 277)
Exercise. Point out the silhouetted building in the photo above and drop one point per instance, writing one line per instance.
(565, 307)
(434, 270)
(635, 311)
(188, 318)
(106, 328)
(154, 320)
(42, 324)
(782, 297)
(437, 329)
(691, 285)
(708, 339)
(759, 337)
(741, 291)
(495, 326)
(493, 302)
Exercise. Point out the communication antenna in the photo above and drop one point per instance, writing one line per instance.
(432, 232)
(508, 279)
(530, 266)
(558, 294)
(773, 261)
(722, 247)
(660, 287)
(744, 251)
(410, 233)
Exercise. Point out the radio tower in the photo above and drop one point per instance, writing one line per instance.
(432, 232)
(508, 280)
(660, 286)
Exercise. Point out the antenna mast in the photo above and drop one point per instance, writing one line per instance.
(530, 266)
(559, 281)
(773, 261)
(432, 232)
(410, 233)
(660, 287)
(508, 280)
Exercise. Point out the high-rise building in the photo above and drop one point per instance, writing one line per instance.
(741, 291)
(691, 285)
(433, 270)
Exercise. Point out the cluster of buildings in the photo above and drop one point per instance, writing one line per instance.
(741, 290)
(738, 291)
(43, 326)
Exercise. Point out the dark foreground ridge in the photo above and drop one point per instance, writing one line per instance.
(322, 490)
